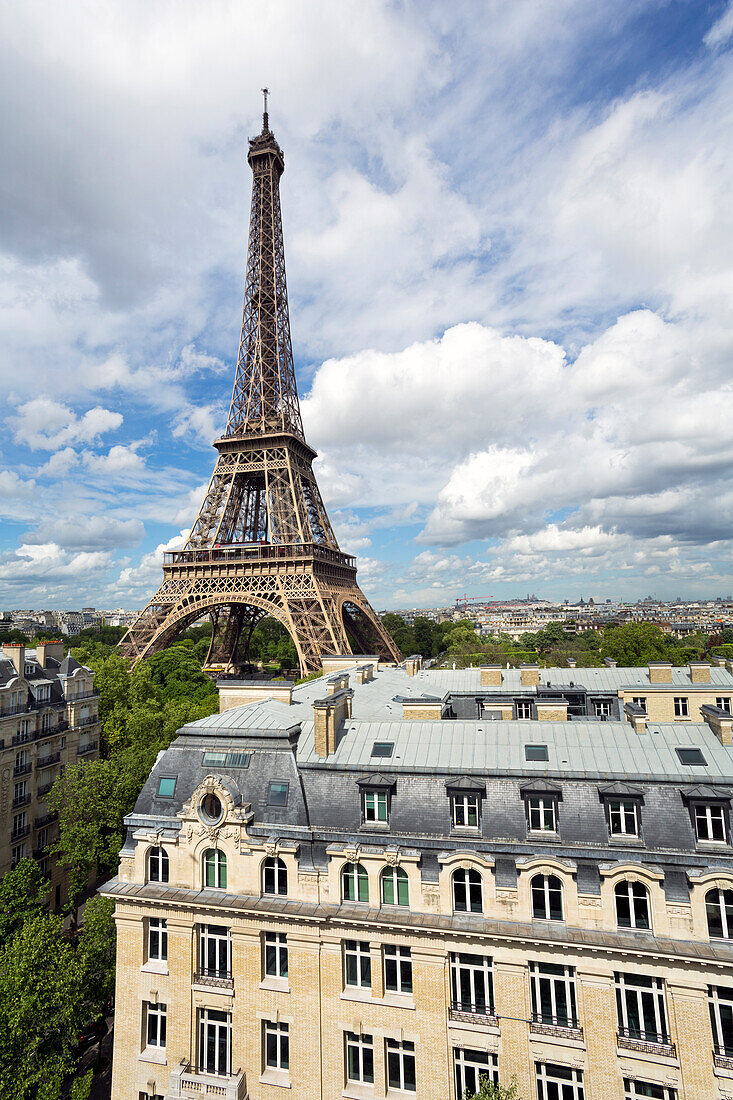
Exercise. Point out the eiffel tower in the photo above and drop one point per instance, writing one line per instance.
(262, 543)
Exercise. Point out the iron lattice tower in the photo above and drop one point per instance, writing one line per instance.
(262, 543)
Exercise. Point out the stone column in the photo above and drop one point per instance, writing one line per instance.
(511, 996)
(688, 1008)
(597, 1009)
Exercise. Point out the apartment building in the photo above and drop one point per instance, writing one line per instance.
(49, 718)
(320, 894)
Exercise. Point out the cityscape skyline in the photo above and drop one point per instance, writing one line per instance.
(511, 324)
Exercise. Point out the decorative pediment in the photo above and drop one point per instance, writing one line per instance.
(620, 790)
(541, 786)
(466, 783)
(706, 792)
(376, 781)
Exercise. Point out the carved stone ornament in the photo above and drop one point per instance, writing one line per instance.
(351, 854)
(392, 856)
(272, 848)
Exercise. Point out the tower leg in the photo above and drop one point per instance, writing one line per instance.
(231, 634)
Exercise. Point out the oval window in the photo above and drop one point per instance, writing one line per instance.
(210, 809)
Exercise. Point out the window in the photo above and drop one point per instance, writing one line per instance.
(691, 757)
(211, 810)
(722, 702)
(277, 1045)
(20, 824)
(634, 1089)
(641, 1009)
(623, 817)
(710, 822)
(542, 814)
(397, 969)
(374, 806)
(22, 763)
(215, 1042)
(166, 786)
(226, 759)
(467, 891)
(277, 794)
(553, 994)
(382, 748)
(215, 869)
(155, 1026)
(23, 730)
(469, 1066)
(215, 952)
(274, 876)
(632, 905)
(536, 752)
(602, 708)
(559, 1082)
(640, 701)
(546, 893)
(465, 811)
(395, 889)
(400, 1065)
(720, 1001)
(681, 706)
(354, 883)
(359, 1058)
(524, 708)
(158, 865)
(42, 840)
(18, 853)
(158, 938)
(719, 908)
(357, 964)
(276, 954)
(471, 984)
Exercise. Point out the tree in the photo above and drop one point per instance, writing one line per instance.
(96, 950)
(23, 895)
(42, 1007)
(635, 644)
(489, 1091)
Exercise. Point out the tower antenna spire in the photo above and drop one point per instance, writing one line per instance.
(265, 118)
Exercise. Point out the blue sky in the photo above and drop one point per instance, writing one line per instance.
(509, 243)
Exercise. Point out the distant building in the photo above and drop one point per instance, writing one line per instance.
(49, 718)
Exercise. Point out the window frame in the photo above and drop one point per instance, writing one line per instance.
(722, 702)
(634, 892)
(400, 1054)
(525, 706)
(640, 701)
(157, 935)
(479, 1063)
(159, 856)
(622, 807)
(631, 1086)
(220, 1022)
(717, 996)
(472, 887)
(280, 799)
(397, 880)
(360, 956)
(463, 801)
(167, 779)
(276, 1037)
(275, 947)
(546, 893)
(397, 963)
(275, 874)
(356, 875)
(558, 982)
(215, 940)
(362, 1045)
(550, 1073)
(681, 706)
(214, 864)
(541, 807)
(646, 992)
(156, 1024)
(724, 909)
(373, 800)
(703, 812)
(602, 708)
(473, 974)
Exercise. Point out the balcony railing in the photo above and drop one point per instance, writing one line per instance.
(93, 694)
(18, 834)
(22, 769)
(61, 727)
(259, 552)
(87, 721)
(89, 747)
(44, 789)
(560, 1027)
(24, 738)
(217, 979)
(189, 1083)
(723, 1057)
(47, 761)
(646, 1042)
(21, 708)
(47, 819)
(24, 800)
(473, 1012)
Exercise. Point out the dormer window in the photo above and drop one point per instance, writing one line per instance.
(622, 803)
(375, 806)
(710, 821)
(465, 810)
(541, 800)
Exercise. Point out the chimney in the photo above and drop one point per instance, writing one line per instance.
(609, 662)
(637, 716)
(328, 715)
(719, 662)
(490, 675)
(413, 664)
(699, 672)
(572, 662)
(44, 650)
(364, 674)
(238, 693)
(660, 672)
(529, 675)
(720, 722)
(15, 651)
(339, 682)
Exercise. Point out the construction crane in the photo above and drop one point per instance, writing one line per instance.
(465, 600)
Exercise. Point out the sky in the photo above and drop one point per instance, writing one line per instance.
(509, 244)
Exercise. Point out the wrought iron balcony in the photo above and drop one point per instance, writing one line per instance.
(646, 1042)
(93, 694)
(42, 791)
(188, 1083)
(87, 721)
(47, 761)
(473, 1012)
(82, 750)
(217, 979)
(723, 1057)
(18, 834)
(560, 1027)
(21, 708)
(22, 769)
(47, 819)
(24, 800)
(24, 738)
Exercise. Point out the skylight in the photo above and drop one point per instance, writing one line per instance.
(166, 786)
(382, 748)
(536, 752)
(691, 756)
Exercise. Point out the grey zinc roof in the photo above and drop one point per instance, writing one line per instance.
(594, 679)
(578, 749)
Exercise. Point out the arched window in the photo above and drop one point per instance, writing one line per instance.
(395, 889)
(719, 907)
(158, 865)
(215, 869)
(274, 876)
(632, 905)
(354, 883)
(546, 893)
(467, 892)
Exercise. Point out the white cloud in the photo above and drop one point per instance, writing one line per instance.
(721, 30)
(88, 532)
(45, 424)
(138, 583)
